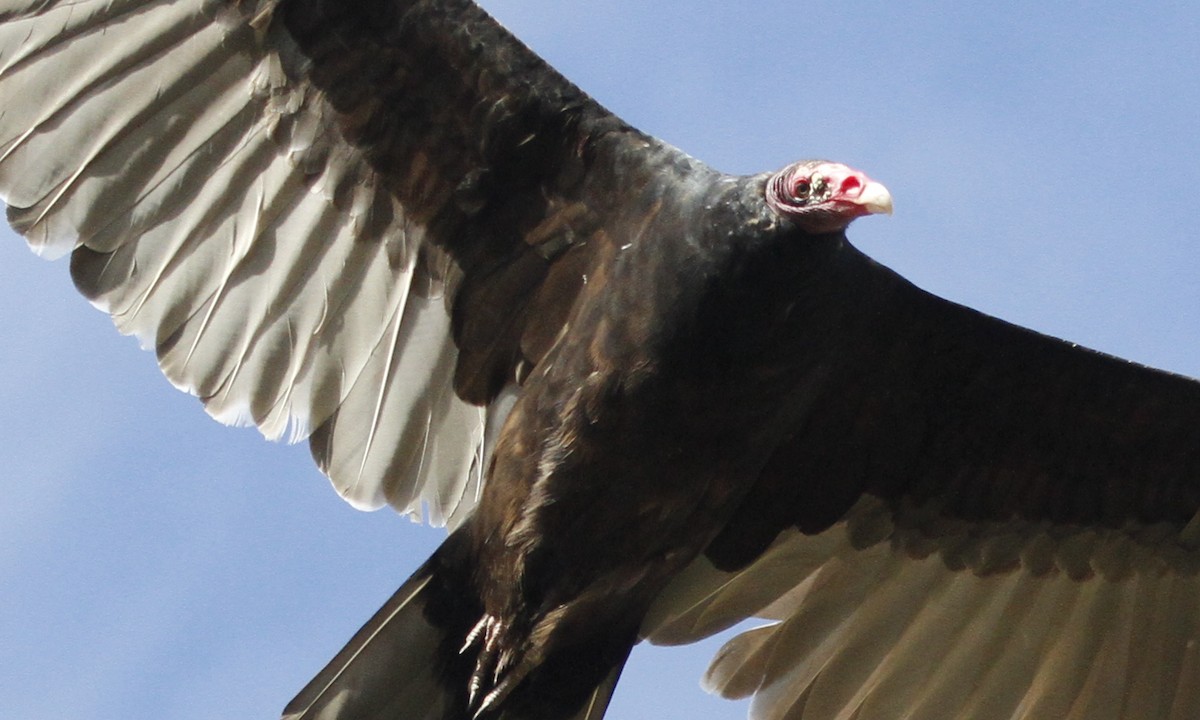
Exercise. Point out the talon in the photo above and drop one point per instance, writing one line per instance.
(497, 694)
(485, 634)
(473, 688)
(492, 678)
(476, 685)
(473, 636)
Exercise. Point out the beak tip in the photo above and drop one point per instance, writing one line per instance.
(876, 199)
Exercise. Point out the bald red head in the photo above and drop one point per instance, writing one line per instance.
(822, 196)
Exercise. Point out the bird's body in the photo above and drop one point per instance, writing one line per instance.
(664, 376)
(687, 398)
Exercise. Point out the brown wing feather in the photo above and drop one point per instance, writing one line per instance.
(275, 195)
(964, 519)
(925, 403)
(496, 151)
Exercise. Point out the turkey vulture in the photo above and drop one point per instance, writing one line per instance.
(951, 557)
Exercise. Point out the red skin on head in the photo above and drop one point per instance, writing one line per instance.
(824, 197)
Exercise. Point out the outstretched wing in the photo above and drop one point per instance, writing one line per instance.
(284, 199)
(969, 520)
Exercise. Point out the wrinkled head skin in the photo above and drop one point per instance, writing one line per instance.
(824, 197)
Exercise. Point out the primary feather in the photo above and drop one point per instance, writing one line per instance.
(213, 216)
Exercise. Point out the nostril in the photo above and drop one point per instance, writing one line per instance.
(851, 186)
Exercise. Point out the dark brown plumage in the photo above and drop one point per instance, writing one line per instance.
(709, 349)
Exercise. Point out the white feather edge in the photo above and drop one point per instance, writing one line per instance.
(866, 631)
(277, 282)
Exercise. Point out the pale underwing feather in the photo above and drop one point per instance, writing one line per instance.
(875, 633)
(701, 600)
(225, 223)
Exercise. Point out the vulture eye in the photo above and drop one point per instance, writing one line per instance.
(801, 190)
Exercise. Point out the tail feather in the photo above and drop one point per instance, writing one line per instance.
(597, 704)
(386, 671)
(592, 709)
(407, 663)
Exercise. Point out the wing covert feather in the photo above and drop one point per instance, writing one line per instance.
(288, 226)
(958, 418)
(970, 520)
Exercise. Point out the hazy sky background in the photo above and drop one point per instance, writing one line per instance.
(1045, 163)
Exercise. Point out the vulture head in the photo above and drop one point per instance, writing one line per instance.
(822, 197)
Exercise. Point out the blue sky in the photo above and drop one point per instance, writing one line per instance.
(1044, 159)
